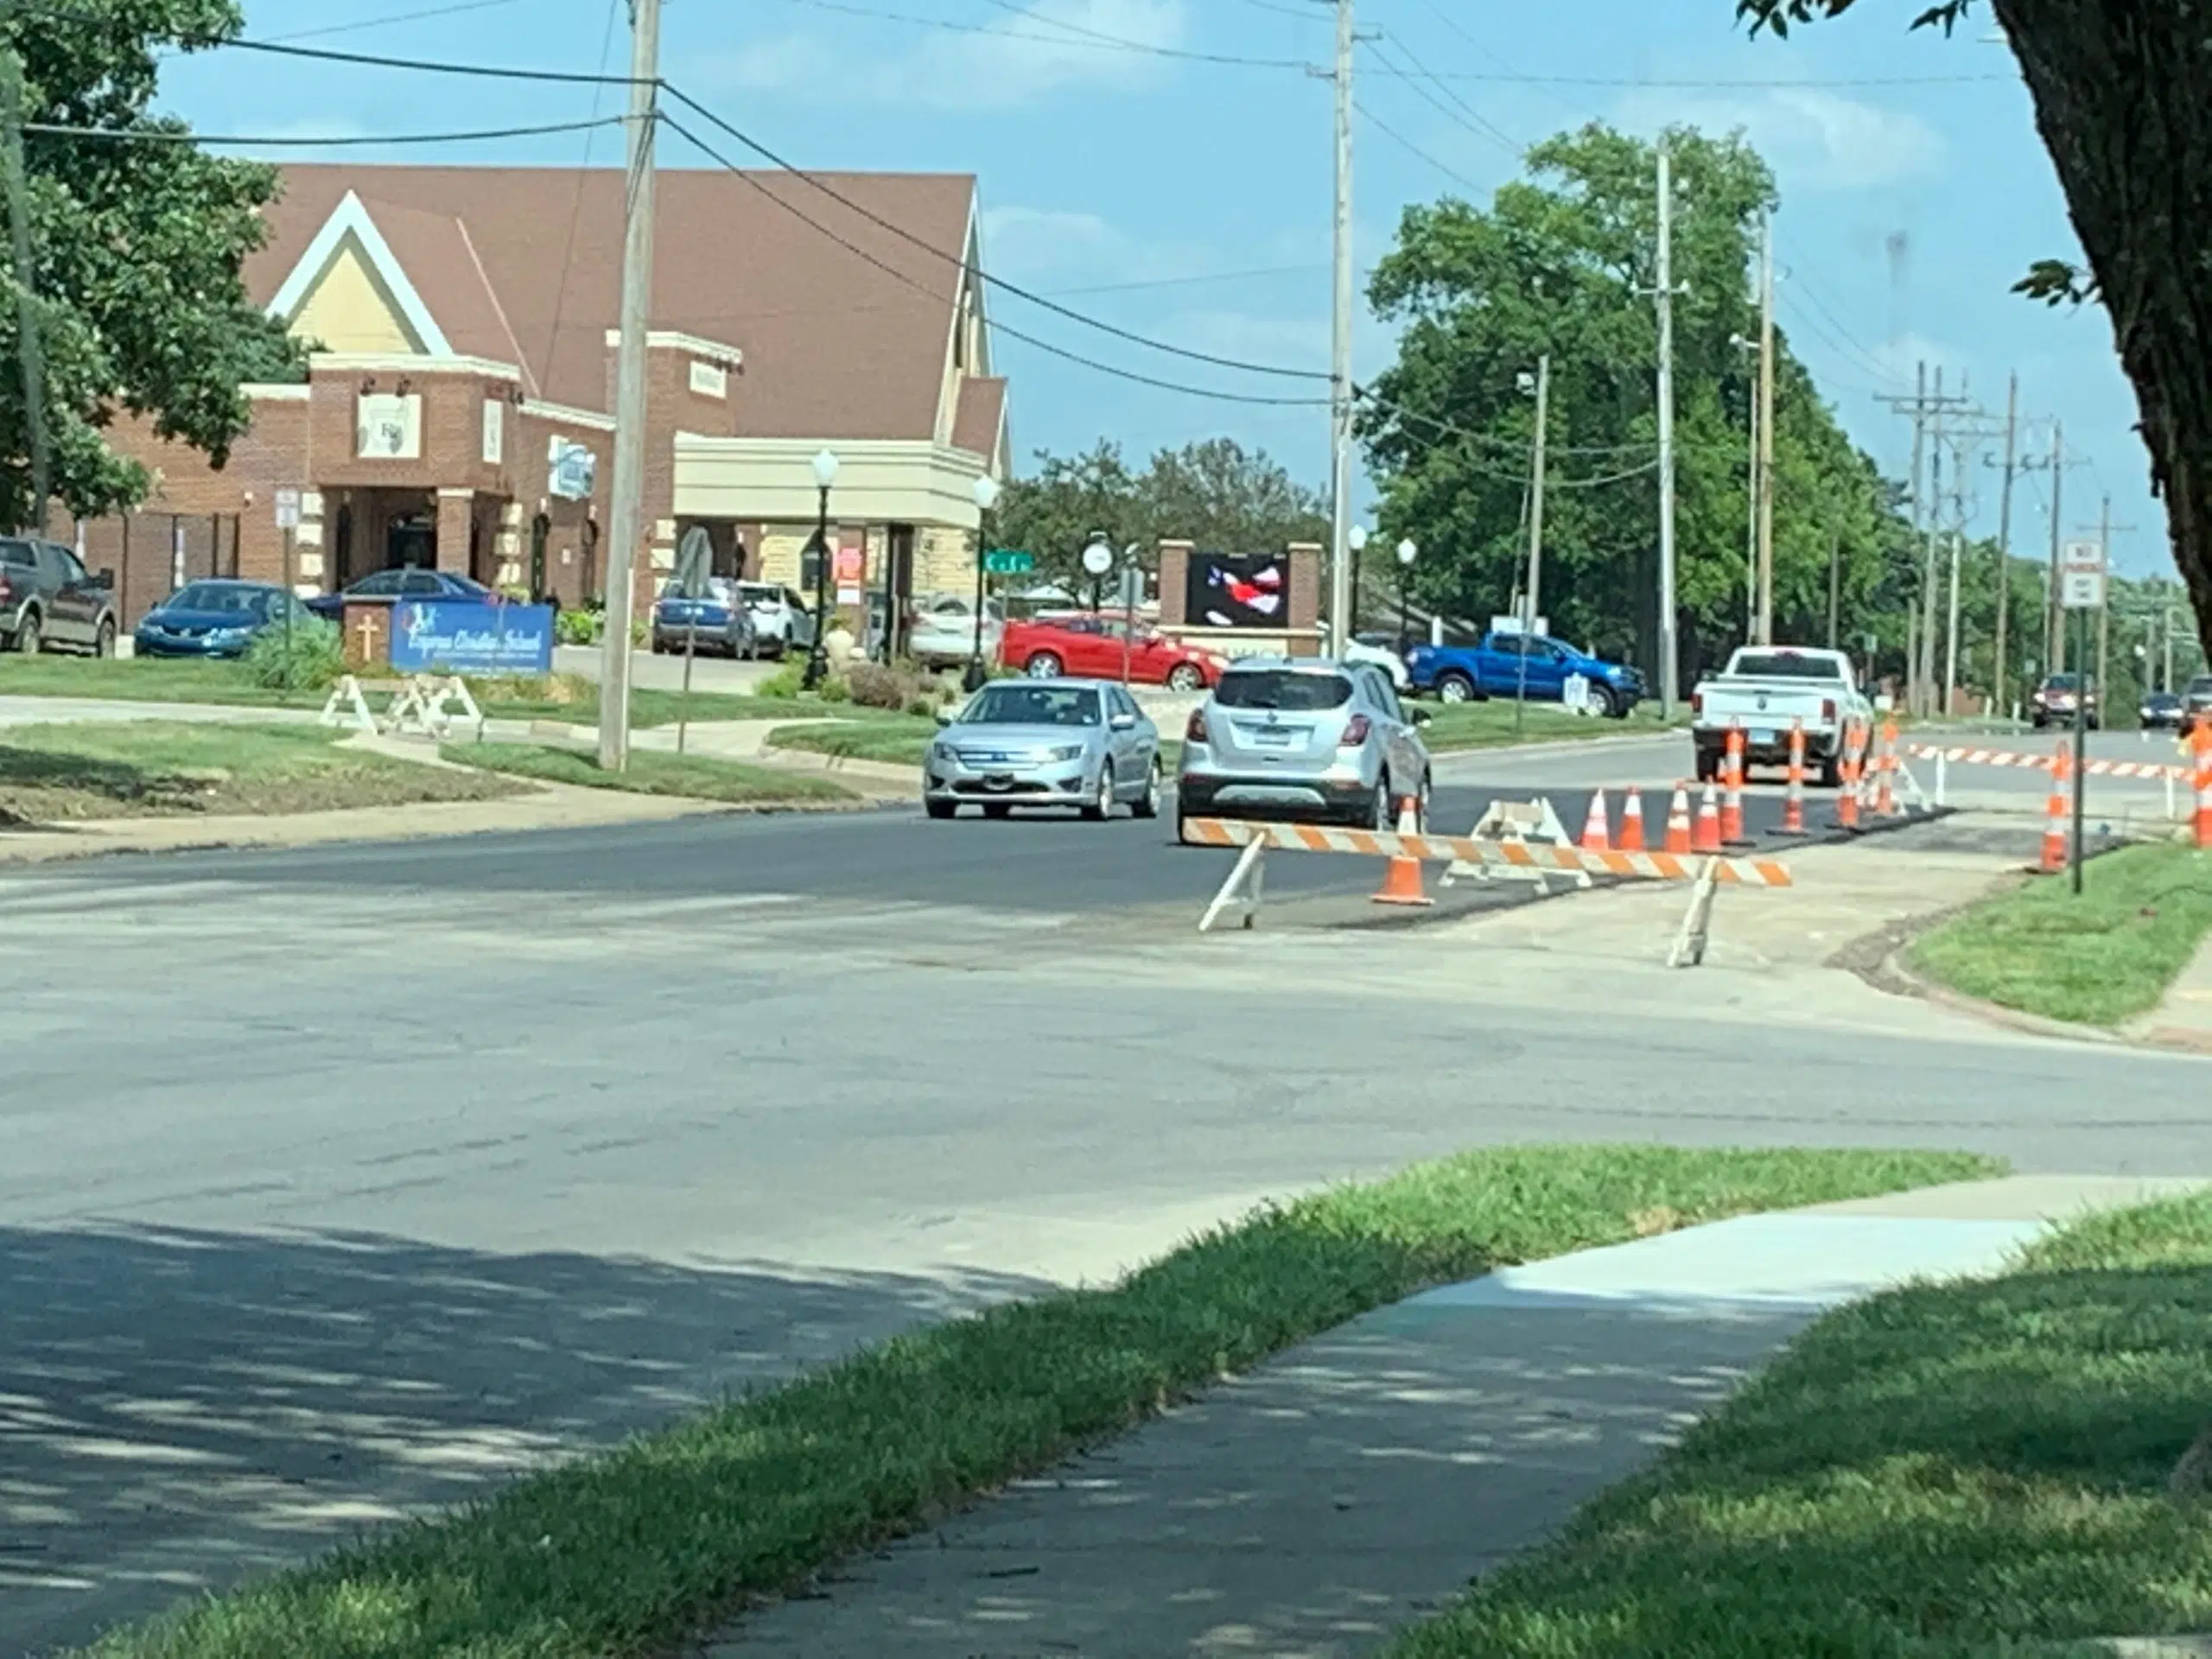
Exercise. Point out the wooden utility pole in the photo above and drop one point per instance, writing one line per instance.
(1764, 631)
(626, 519)
(2055, 656)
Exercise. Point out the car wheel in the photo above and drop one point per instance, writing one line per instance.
(28, 639)
(1832, 773)
(1146, 805)
(1101, 806)
(103, 640)
(1604, 703)
(1043, 666)
(1422, 803)
(1454, 688)
(1382, 810)
(940, 808)
(996, 809)
(1186, 676)
(1708, 765)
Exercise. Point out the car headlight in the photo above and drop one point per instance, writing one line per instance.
(941, 753)
(1065, 752)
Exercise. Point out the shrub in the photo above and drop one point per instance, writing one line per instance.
(307, 657)
(785, 681)
(875, 686)
(576, 627)
(834, 690)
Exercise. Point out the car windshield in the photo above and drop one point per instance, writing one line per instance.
(1033, 705)
(2059, 683)
(1785, 665)
(17, 553)
(211, 596)
(2201, 686)
(1288, 690)
(756, 592)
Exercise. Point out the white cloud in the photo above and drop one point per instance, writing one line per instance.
(1814, 138)
(776, 64)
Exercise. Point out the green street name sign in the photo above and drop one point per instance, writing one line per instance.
(1008, 561)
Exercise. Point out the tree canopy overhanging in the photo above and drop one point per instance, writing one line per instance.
(2119, 99)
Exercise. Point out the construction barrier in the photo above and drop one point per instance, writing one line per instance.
(2201, 747)
(1631, 839)
(2058, 809)
(1731, 787)
(1679, 839)
(1792, 802)
(1854, 775)
(1885, 766)
(419, 706)
(2090, 768)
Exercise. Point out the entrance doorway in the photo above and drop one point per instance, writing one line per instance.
(411, 538)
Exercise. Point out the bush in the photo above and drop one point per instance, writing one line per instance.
(307, 656)
(875, 686)
(785, 681)
(834, 690)
(576, 627)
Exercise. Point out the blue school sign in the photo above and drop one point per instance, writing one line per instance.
(450, 636)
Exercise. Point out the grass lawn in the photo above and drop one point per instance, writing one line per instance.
(159, 768)
(1491, 725)
(630, 1553)
(898, 740)
(2098, 959)
(1969, 1469)
(652, 772)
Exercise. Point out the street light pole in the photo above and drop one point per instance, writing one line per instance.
(1407, 552)
(825, 475)
(986, 497)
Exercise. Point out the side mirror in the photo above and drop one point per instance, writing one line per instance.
(1125, 722)
(943, 718)
(106, 576)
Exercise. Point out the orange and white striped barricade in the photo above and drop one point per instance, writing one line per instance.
(2092, 767)
(1732, 788)
(1243, 889)
(1519, 822)
(2058, 810)
(2201, 752)
(1793, 802)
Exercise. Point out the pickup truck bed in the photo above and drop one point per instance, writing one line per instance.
(1783, 687)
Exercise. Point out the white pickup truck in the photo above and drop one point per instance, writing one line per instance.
(1766, 688)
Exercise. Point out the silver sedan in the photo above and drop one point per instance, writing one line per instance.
(1060, 742)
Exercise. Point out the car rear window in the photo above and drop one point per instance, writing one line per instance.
(1785, 665)
(18, 553)
(1287, 690)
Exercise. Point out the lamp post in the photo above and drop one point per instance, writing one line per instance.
(1356, 540)
(825, 475)
(1409, 550)
(986, 497)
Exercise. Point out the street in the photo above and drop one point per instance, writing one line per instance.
(342, 1180)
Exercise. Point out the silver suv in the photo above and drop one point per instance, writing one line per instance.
(1303, 737)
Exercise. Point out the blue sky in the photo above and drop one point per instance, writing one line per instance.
(1189, 198)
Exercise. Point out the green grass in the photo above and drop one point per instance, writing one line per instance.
(1945, 1470)
(896, 740)
(652, 772)
(158, 768)
(634, 1552)
(1491, 725)
(2097, 959)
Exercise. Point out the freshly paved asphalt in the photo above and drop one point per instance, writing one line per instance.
(339, 1182)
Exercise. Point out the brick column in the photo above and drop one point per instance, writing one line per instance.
(456, 516)
(1175, 584)
(1304, 592)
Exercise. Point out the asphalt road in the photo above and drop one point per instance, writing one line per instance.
(338, 1183)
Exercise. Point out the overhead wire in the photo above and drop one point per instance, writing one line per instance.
(186, 136)
(1096, 40)
(1453, 107)
(1408, 144)
(360, 24)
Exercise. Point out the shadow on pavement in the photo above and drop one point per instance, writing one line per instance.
(181, 1409)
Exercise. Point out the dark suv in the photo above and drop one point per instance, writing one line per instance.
(2197, 702)
(49, 598)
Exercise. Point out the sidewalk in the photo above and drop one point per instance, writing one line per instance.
(1359, 1482)
(2184, 1018)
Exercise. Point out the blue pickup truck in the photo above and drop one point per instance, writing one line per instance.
(1494, 668)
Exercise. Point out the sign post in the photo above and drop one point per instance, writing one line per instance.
(288, 520)
(2083, 582)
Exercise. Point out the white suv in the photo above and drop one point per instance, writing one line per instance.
(781, 621)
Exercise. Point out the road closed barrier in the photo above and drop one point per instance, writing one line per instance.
(1241, 891)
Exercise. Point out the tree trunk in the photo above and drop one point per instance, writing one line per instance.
(2118, 90)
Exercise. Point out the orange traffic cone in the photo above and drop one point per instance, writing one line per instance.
(2199, 750)
(1793, 803)
(1632, 822)
(1708, 823)
(1401, 882)
(1597, 833)
(2057, 811)
(1678, 821)
(1732, 790)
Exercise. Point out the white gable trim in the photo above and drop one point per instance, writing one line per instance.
(350, 218)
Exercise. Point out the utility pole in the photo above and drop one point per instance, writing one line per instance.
(1764, 630)
(1930, 586)
(31, 349)
(1340, 412)
(1951, 624)
(1670, 668)
(1536, 498)
(2056, 620)
(1835, 581)
(626, 524)
(1998, 677)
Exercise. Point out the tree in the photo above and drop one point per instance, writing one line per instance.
(1215, 493)
(1561, 264)
(2119, 102)
(137, 243)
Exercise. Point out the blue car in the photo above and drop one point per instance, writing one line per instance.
(715, 620)
(214, 618)
(408, 583)
(1512, 666)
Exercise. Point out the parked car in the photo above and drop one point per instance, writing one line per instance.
(781, 620)
(944, 633)
(1494, 669)
(2052, 703)
(1765, 689)
(1303, 737)
(1381, 650)
(406, 582)
(1048, 647)
(2161, 711)
(717, 620)
(2196, 702)
(216, 618)
(47, 597)
(1058, 742)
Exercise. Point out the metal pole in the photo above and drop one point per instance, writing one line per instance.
(1835, 582)
(1532, 599)
(2080, 759)
(1931, 585)
(1340, 396)
(1751, 536)
(2055, 623)
(1919, 522)
(289, 600)
(1998, 678)
(1670, 667)
(975, 679)
(1951, 636)
(31, 349)
(2104, 616)
(816, 651)
(627, 514)
(1766, 433)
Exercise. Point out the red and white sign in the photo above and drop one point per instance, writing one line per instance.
(851, 564)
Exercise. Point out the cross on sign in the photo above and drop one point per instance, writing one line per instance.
(367, 627)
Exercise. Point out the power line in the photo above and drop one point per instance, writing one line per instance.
(1188, 282)
(1400, 138)
(890, 269)
(185, 136)
(576, 205)
(1456, 109)
(1089, 38)
(1633, 82)
(403, 17)
(1015, 289)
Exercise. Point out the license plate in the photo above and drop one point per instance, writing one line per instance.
(1763, 737)
(1273, 740)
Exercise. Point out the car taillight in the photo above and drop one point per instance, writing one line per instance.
(1697, 702)
(1194, 729)
(1827, 711)
(1356, 731)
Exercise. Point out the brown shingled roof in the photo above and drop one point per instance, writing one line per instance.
(980, 416)
(834, 346)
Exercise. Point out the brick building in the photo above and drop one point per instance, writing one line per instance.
(457, 411)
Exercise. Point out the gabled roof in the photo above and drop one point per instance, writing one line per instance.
(979, 422)
(525, 264)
